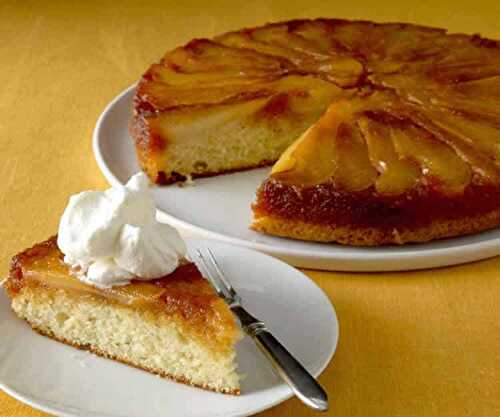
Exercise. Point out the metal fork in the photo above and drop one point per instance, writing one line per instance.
(294, 374)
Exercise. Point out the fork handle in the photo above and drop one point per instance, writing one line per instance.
(295, 375)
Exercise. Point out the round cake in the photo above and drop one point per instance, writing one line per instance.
(383, 133)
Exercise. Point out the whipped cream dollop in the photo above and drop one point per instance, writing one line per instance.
(109, 237)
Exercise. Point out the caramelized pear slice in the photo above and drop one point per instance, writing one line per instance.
(303, 86)
(342, 70)
(408, 44)
(396, 175)
(318, 33)
(483, 88)
(428, 94)
(332, 149)
(466, 58)
(309, 161)
(356, 37)
(466, 71)
(52, 272)
(488, 108)
(282, 36)
(58, 280)
(164, 75)
(440, 165)
(480, 134)
(135, 294)
(354, 170)
(477, 143)
(198, 89)
(245, 40)
(483, 166)
(203, 55)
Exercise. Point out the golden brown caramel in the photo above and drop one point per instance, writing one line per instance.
(446, 85)
(50, 270)
(411, 210)
(183, 295)
(337, 148)
(437, 161)
(396, 174)
(413, 126)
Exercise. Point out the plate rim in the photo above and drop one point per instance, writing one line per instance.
(281, 392)
(306, 258)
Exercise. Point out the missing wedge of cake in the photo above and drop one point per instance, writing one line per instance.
(137, 301)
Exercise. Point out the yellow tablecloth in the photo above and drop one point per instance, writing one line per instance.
(412, 344)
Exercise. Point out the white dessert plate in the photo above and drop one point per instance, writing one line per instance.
(219, 208)
(67, 382)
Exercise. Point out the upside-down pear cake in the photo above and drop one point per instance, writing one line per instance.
(117, 282)
(174, 326)
(384, 133)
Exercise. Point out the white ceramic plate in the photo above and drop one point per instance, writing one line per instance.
(67, 382)
(219, 208)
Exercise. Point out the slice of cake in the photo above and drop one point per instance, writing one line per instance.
(116, 282)
(174, 326)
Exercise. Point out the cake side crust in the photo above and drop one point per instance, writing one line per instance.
(371, 236)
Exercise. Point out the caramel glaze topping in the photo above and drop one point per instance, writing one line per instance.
(420, 106)
(184, 295)
(324, 204)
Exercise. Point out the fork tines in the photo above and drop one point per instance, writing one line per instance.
(213, 272)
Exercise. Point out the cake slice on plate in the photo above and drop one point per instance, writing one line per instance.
(174, 326)
(123, 290)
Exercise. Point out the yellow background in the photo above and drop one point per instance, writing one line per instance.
(412, 344)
